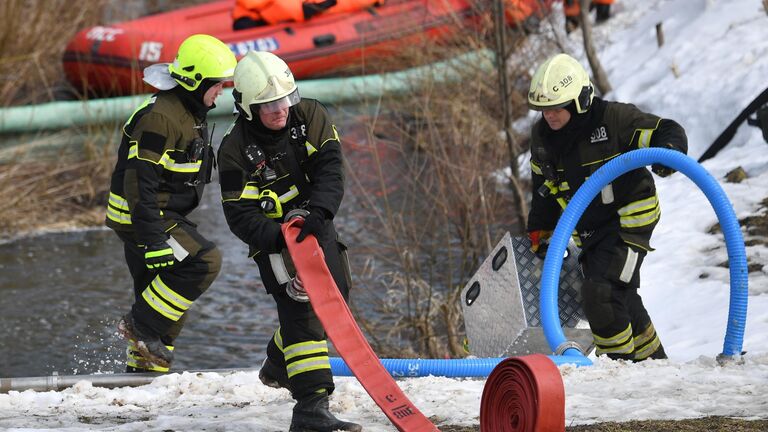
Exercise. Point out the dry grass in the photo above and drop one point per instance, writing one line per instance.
(49, 184)
(53, 195)
(435, 206)
(33, 35)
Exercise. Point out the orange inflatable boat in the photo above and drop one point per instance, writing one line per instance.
(109, 60)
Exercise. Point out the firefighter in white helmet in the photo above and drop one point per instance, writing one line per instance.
(282, 156)
(577, 133)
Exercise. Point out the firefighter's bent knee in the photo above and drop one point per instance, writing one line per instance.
(212, 259)
(596, 297)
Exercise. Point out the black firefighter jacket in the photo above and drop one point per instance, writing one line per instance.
(301, 164)
(164, 161)
(561, 161)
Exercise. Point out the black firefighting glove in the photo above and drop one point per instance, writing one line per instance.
(662, 170)
(314, 223)
(158, 255)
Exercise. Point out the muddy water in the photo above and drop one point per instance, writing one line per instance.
(61, 294)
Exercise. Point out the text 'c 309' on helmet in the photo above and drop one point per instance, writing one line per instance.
(558, 82)
(202, 57)
(263, 81)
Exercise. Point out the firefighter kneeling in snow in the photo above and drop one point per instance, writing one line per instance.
(575, 136)
(163, 163)
(282, 156)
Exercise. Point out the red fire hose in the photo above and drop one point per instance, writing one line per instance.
(523, 394)
(340, 325)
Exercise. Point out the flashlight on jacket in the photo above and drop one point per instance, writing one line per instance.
(270, 204)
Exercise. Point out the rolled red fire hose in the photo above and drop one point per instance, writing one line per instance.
(340, 325)
(523, 394)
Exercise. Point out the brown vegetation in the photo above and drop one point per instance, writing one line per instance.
(32, 39)
(437, 196)
(34, 33)
(49, 184)
(52, 195)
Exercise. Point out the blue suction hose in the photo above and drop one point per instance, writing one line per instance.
(566, 353)
(734, 241)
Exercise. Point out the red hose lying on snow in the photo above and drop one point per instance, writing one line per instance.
(334, 314)
(523, 394)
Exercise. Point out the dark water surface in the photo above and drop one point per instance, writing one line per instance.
(61, 294)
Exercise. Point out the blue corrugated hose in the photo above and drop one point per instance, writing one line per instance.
(737, 312)
(737, 258)
(470, 367)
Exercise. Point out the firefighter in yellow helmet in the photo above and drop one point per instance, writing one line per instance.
(576, 134)
(282, 156)
(163, 164)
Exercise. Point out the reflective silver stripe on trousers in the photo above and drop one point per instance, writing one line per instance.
(629, 266)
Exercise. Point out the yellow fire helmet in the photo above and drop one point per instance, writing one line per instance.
(557, 82)
(202, 57)
(264, 81)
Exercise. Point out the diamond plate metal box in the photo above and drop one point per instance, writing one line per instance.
(501, 302)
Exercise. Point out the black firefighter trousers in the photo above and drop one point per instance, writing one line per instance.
(162, 297)
(620, 324)
(299, 345)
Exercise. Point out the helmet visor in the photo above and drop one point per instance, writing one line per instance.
(277, 105)
(536, 107)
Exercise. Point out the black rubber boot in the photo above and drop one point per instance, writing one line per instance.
(150, 347)
(312, 415)
(659, 354)
(628, 357)
(273, 376)
(603, 13)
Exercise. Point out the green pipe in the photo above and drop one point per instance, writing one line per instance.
(332, 91)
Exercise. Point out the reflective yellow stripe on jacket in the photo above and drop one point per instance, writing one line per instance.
(117, 209)
(640, 213)
(167, 161)
(251, 191)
